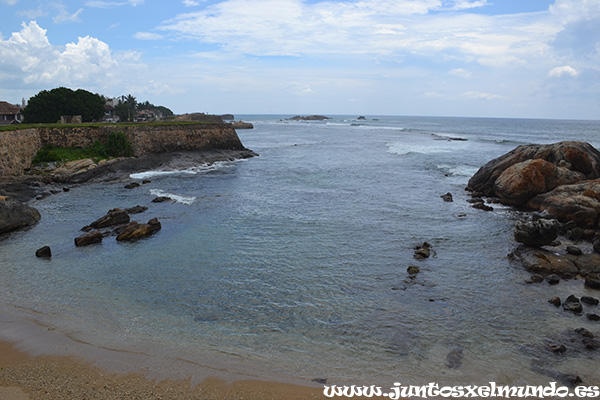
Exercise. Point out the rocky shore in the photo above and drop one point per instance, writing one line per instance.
(555, 189)
(41, 182)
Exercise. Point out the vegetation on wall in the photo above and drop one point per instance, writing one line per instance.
(49, 105)
(117, 145)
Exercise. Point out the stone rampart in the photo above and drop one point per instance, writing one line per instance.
(17, 148)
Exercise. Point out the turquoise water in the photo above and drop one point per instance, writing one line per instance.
(294, 263)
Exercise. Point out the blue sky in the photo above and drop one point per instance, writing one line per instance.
(478, 58)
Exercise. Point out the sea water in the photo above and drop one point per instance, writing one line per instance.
(294, 263)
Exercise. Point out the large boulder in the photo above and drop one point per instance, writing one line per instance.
(544, 262)
(15, 215)
(575, 156)
(114, 217)
(578, 202)
(520, 182)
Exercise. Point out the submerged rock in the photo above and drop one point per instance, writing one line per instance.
(422, 251)
(573, 304)
(593, 281)
(454, 358)
(544, 262)
(447, 197)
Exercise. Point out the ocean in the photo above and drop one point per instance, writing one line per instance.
(293, 264)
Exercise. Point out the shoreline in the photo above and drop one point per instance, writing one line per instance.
(39, 362)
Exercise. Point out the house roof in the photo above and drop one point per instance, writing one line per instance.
(7, 108)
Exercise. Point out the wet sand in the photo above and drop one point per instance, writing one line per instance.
(24, 377)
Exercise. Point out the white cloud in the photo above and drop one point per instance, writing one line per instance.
(29, 58)
(65, 16)
(147, 36)
(191, 3)
(462, 73)
(112, 4)
(562, 71)
(9, 2)
(483, 96)
(576, 10)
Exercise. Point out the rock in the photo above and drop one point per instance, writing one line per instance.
(578, 202)
(596, 244)
(361, 118)
(447, 197)
(113, 217)
(572, 304)
(593, 317)
(540, 261)
(44, 252)
(422, 251)
(584, 332)
(555, 301)
(557, 348)
(454, 358)
(242, 125)
(591, 344)
(75, 167)
(135, 230)
(482, 206)
(587, 263)
(474, 200)
(553, 279)
(132, 185)
(536, 233)
(576, 251)
(66, 189)
(88, 238)
(522, 181)
(146, 181)
(575, 156)
(413, 270)
(537, 278)
(322, 381)
(589, 300)
(593, 281)
(135, 210)
(161, 199)
(15, 215)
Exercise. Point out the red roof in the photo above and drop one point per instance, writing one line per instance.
(7, 108)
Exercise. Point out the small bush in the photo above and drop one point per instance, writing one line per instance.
(118, 145)
(45, 155)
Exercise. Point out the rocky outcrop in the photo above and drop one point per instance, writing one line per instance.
(135, 230)
(536, 233)
(15, 215)
(309, 118)
(114, 217)
(242, 125)
(574, 156)
(88, 238)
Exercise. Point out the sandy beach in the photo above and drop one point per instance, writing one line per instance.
(23, 377)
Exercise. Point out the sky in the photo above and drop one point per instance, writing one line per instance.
(472, 58)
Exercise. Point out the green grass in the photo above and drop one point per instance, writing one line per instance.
(17, 127)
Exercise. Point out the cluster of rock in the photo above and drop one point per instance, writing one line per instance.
(117, 222)
(15, 215)
(309, 118)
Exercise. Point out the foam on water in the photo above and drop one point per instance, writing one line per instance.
(199, 169)
(176, 197)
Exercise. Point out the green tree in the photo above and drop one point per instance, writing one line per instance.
(49, 105)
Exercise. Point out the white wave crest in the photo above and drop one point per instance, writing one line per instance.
(177, 198)
(199, 169)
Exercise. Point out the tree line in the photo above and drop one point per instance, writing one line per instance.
(49, 105)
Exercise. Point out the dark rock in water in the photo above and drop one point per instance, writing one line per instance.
(557, 348)
(596, 244)
(588, 263)
(475, 200)
(447, 197)
(135, 210)
(591, 344)
(584, 332)
(66, 189)
(146, 181)
(537, 233)
(132, 185)
(88, 238)
(593, 281)
(15, 215)
(362, 118)
(422, 251)
(322, 381)
(135, 230)
(412, 269)
(555, 301)
(593, 317)
(572, 304)
(482, 206)
(576, 251)
(553, 279)
(115, 216)
(590, 300)
(161, 199)
(44, 252)
(242, 125)
(540, 261)
(537, 278)
(454, 358)
(309, 118)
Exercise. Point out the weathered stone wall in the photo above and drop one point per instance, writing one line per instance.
(17, 148)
